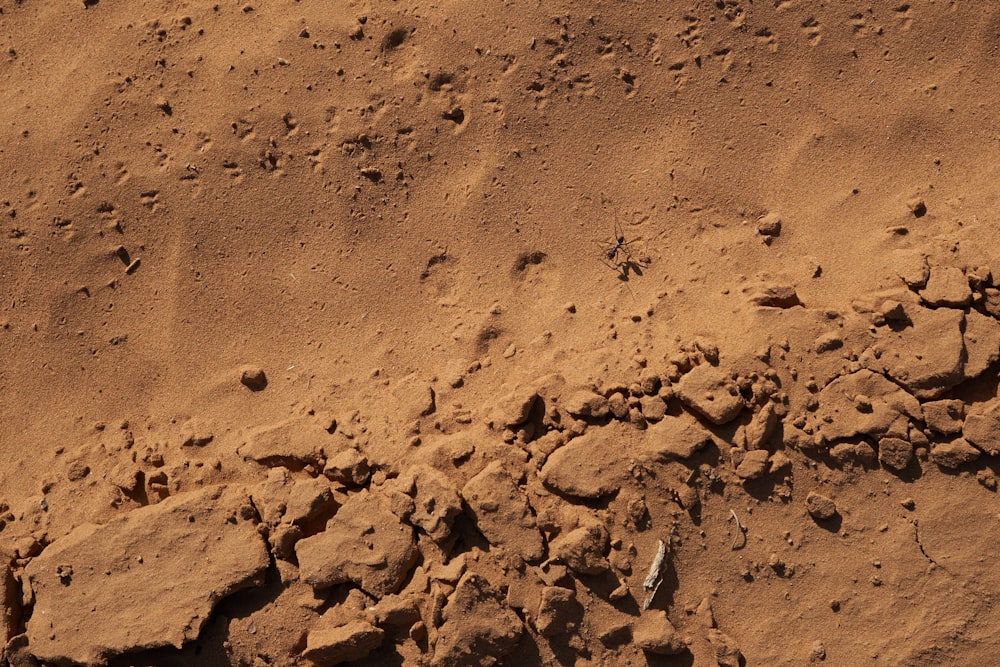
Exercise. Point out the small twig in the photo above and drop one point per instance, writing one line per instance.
(655, 576)
(741, 531)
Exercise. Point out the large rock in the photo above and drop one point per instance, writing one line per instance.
(711, 393)
(947, 287)
(982, 428)
(982, 343)
(332, 644)
(147, 579)
(863, 403)
(927, 357)
(676, 438)
(953, 455)
(502, 514)
(590, 466)
(479, 628)
(364, 543)
(292, 443)
(435, 500)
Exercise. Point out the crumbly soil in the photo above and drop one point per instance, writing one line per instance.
(586, 333)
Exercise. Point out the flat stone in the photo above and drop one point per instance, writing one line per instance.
(590, 466)
(330, 644)
(364, 543)
(820, 507)
(711, 393)
(675, 438)
(586, 403)
(479, 627)
(513, 408)
(502, 513)
(349, 467)
(912, 267)
(944, 417)
(654, 633)
(982, 428)
(928, 357)
(862, 403)
(947, 287)
(292, 443)
(558, 611)
(181, 555)
(895, 453)
(776, 296)
(583, 549)
(955, 454)
(982, 343)
(754, 465)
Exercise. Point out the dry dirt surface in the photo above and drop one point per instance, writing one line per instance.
(564, 333)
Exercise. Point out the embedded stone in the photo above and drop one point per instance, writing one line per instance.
(955, 454)
(81, 580)
(365, 543)
(501, 512)
(710, 392)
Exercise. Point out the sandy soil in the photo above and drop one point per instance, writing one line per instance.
(584, 334)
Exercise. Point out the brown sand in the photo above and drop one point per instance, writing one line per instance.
(478, 417)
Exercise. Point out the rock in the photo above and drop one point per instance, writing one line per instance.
(253, 378)
(307, 499)
(364, 543)
(982, 428)
(917, 207)
(828, 342)
(583, 549)
(435, 500)
(332, 645)
(283, 538)
(893, 311)
(618, 405)
(818, 651)
(558, 612)
(414, 398)
(590, 466)
(947, 287)
(514, 408)
(293, 443)
(10, 599)
(348, 467)
(502, 514)
(586, 404)
(195, 433)
(820, 507)
(944, 417)
(982, 343)
(675, 438)
(769, 225)
(395, 611)
(654, 633)
(955, 454)
(862, 403)
(183, 555)
(711, 393)
(653, 408)
(727, 651)
(776, 296)
(895, 453)
(479, 628)
(912, 267)
(926, 358)
(754, 465)
(761, 427)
